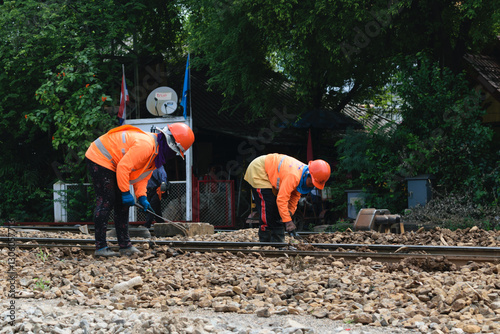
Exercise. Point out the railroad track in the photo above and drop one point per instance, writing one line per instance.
(76, 228)
(384, 253)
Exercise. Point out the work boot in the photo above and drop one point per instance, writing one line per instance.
(106, 252)
(129, 251)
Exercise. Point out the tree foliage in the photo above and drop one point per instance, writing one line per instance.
(324, 54)
(441, 134)
(73, 110)
(252, 47)
(446, 29)
(49, 119)
(444, 131)
(329, 52)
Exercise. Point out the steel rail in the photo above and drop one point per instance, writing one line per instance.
(441, 250)
(458, 260)
(76, 228)
(385, 253)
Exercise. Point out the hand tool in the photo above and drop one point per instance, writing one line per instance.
(296, 236)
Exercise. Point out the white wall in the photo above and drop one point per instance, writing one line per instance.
(145, 124)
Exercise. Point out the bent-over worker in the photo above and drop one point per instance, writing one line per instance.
(277, 182)
(126, 156)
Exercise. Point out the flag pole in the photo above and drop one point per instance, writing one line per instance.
(122, 92)
(122, 111)
(123, 78)
(189, 157)
(123, 75)
(189, 92)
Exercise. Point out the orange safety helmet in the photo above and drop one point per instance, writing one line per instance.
(320, 172)
(179, 137)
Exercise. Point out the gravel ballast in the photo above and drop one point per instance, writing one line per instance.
(67, 291)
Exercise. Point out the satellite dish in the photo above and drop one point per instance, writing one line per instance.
(162, 101)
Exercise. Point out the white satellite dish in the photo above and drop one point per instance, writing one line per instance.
(162, 101)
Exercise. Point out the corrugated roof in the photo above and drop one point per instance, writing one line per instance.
(488, 72)
(207, 115)
(206, 106)
(361, 114)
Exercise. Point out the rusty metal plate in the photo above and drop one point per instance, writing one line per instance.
(365, 219)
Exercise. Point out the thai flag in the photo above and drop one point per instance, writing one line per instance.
(124, 99)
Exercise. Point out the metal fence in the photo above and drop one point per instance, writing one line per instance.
(214, 202)
(73, 202)
(173, 204)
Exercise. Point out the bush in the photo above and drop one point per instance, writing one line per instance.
(441, 134)
(455, 211)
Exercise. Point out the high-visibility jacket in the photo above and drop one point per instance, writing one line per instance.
(128, 151)
(284, 173)
(256, 174)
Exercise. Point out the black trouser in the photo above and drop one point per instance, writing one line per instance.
(108, 197)
(155, 202)
(271, 228)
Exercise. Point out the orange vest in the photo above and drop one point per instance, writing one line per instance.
(284, 173)
(128, 151)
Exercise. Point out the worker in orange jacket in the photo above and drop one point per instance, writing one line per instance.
(277, 182)
(126, 156)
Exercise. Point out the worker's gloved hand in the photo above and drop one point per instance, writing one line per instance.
(145, 204)
(127, 198)
(290, 226)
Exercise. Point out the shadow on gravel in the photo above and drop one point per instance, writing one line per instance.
(431, 264)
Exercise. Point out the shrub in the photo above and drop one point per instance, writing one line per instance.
(455, 211)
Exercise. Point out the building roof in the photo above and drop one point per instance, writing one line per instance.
(487, 72)
(367, 119)
(208, 117)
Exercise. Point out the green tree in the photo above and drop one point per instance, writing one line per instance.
(73, 111)
(443, 129)
(330, 53)
(441, 134)
(446, 29)
(44, 136)
(252, 47)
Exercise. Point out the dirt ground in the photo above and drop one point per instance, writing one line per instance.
(239, 293)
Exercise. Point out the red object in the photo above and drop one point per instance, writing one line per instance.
(309, 148)
(124, 99)
(195, 199)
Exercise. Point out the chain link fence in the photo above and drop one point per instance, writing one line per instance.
(173, 204)
(73, 202)
(213, 203)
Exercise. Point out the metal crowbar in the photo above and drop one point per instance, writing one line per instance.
(179, 226)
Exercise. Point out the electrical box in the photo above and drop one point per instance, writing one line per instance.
(419, 189)
(355, 202)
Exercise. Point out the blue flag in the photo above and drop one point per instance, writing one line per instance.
(185, 89)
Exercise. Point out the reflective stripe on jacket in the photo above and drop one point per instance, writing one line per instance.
(284, 173)
(128, 151)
